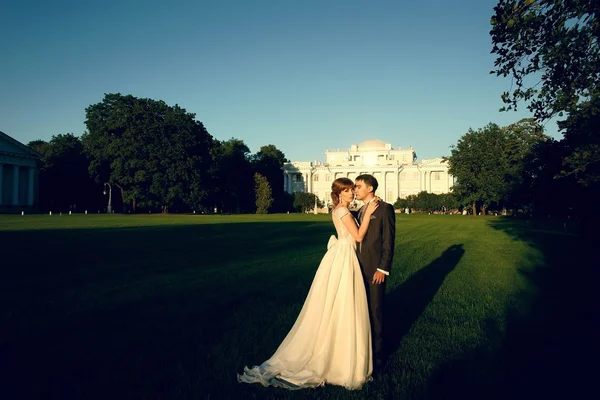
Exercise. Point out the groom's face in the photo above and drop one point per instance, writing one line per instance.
(361, 189)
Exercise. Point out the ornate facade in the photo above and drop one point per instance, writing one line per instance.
(396, 170)
(18, 176)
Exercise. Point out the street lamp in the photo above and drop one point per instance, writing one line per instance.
(109, 208)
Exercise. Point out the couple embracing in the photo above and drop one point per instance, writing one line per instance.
(337, 337)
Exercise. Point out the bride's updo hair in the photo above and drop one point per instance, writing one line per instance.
(337, 187)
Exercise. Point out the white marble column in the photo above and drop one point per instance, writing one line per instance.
(30, 186)
(15, 193)
(1, 170)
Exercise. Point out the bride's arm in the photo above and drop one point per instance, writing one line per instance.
(350, 223)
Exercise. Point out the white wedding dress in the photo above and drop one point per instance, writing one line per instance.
(330, 342)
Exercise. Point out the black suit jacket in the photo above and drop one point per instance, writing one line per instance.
(377, 248)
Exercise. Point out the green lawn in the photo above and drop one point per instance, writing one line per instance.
(171, 307)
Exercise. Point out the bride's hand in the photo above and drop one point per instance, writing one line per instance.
(372, 206)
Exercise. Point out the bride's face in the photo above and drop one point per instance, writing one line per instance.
(347, 195)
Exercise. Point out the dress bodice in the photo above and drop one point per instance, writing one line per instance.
(342, 232)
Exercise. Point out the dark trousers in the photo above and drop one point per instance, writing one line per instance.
(375, 296)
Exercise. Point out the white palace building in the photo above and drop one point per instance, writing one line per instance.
(396, 170)
(18, 176)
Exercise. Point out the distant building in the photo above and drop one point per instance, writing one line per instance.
(19, 174)
(396, 170)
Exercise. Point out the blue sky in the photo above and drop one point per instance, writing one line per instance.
(303, 75)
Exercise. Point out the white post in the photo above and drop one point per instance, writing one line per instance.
(30, 186)
(15, 194)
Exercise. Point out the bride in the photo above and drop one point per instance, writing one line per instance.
(330, 341)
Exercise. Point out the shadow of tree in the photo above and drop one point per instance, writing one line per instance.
(141, 312)
(548, 345)
(407, 302)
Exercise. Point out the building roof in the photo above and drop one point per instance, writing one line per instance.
(373, 144)
(18, 147)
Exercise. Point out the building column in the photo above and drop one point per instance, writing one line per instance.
(306, 183)
(1, 170)
(30, 186)
(15, 193)
(428, 181)
(398, 184)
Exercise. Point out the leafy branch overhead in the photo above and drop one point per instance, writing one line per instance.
(557, 43)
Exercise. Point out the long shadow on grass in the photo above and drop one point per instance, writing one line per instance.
(548, 345)
(407, 302)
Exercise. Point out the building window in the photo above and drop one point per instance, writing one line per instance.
(389, 198)
(356, 158)
(328, 178)
(402, 176)
(381, 157)
(436, 176)
(316, 178)
(297, 178)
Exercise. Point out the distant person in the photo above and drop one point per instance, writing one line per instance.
(330, 342)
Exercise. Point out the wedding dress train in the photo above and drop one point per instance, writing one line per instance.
(330, 342)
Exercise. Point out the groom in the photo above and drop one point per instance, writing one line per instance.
(375, 255)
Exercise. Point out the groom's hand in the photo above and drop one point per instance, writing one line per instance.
(378, 278)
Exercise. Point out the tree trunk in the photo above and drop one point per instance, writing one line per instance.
(474, 209)
(133, 205)
(483, 209)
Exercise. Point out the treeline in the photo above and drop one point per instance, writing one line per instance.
(156, 158)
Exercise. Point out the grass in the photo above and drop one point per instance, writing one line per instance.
(171, 307)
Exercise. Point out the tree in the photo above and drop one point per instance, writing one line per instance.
(233, 176)
(306, 201)
(158, 154)
(560, 39)
(401, 204)
(488, 164)
(268, 161)
(262, 194)
(559, 43)
(64, 182)
(582, 139)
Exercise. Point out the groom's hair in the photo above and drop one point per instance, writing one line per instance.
(369, 180)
